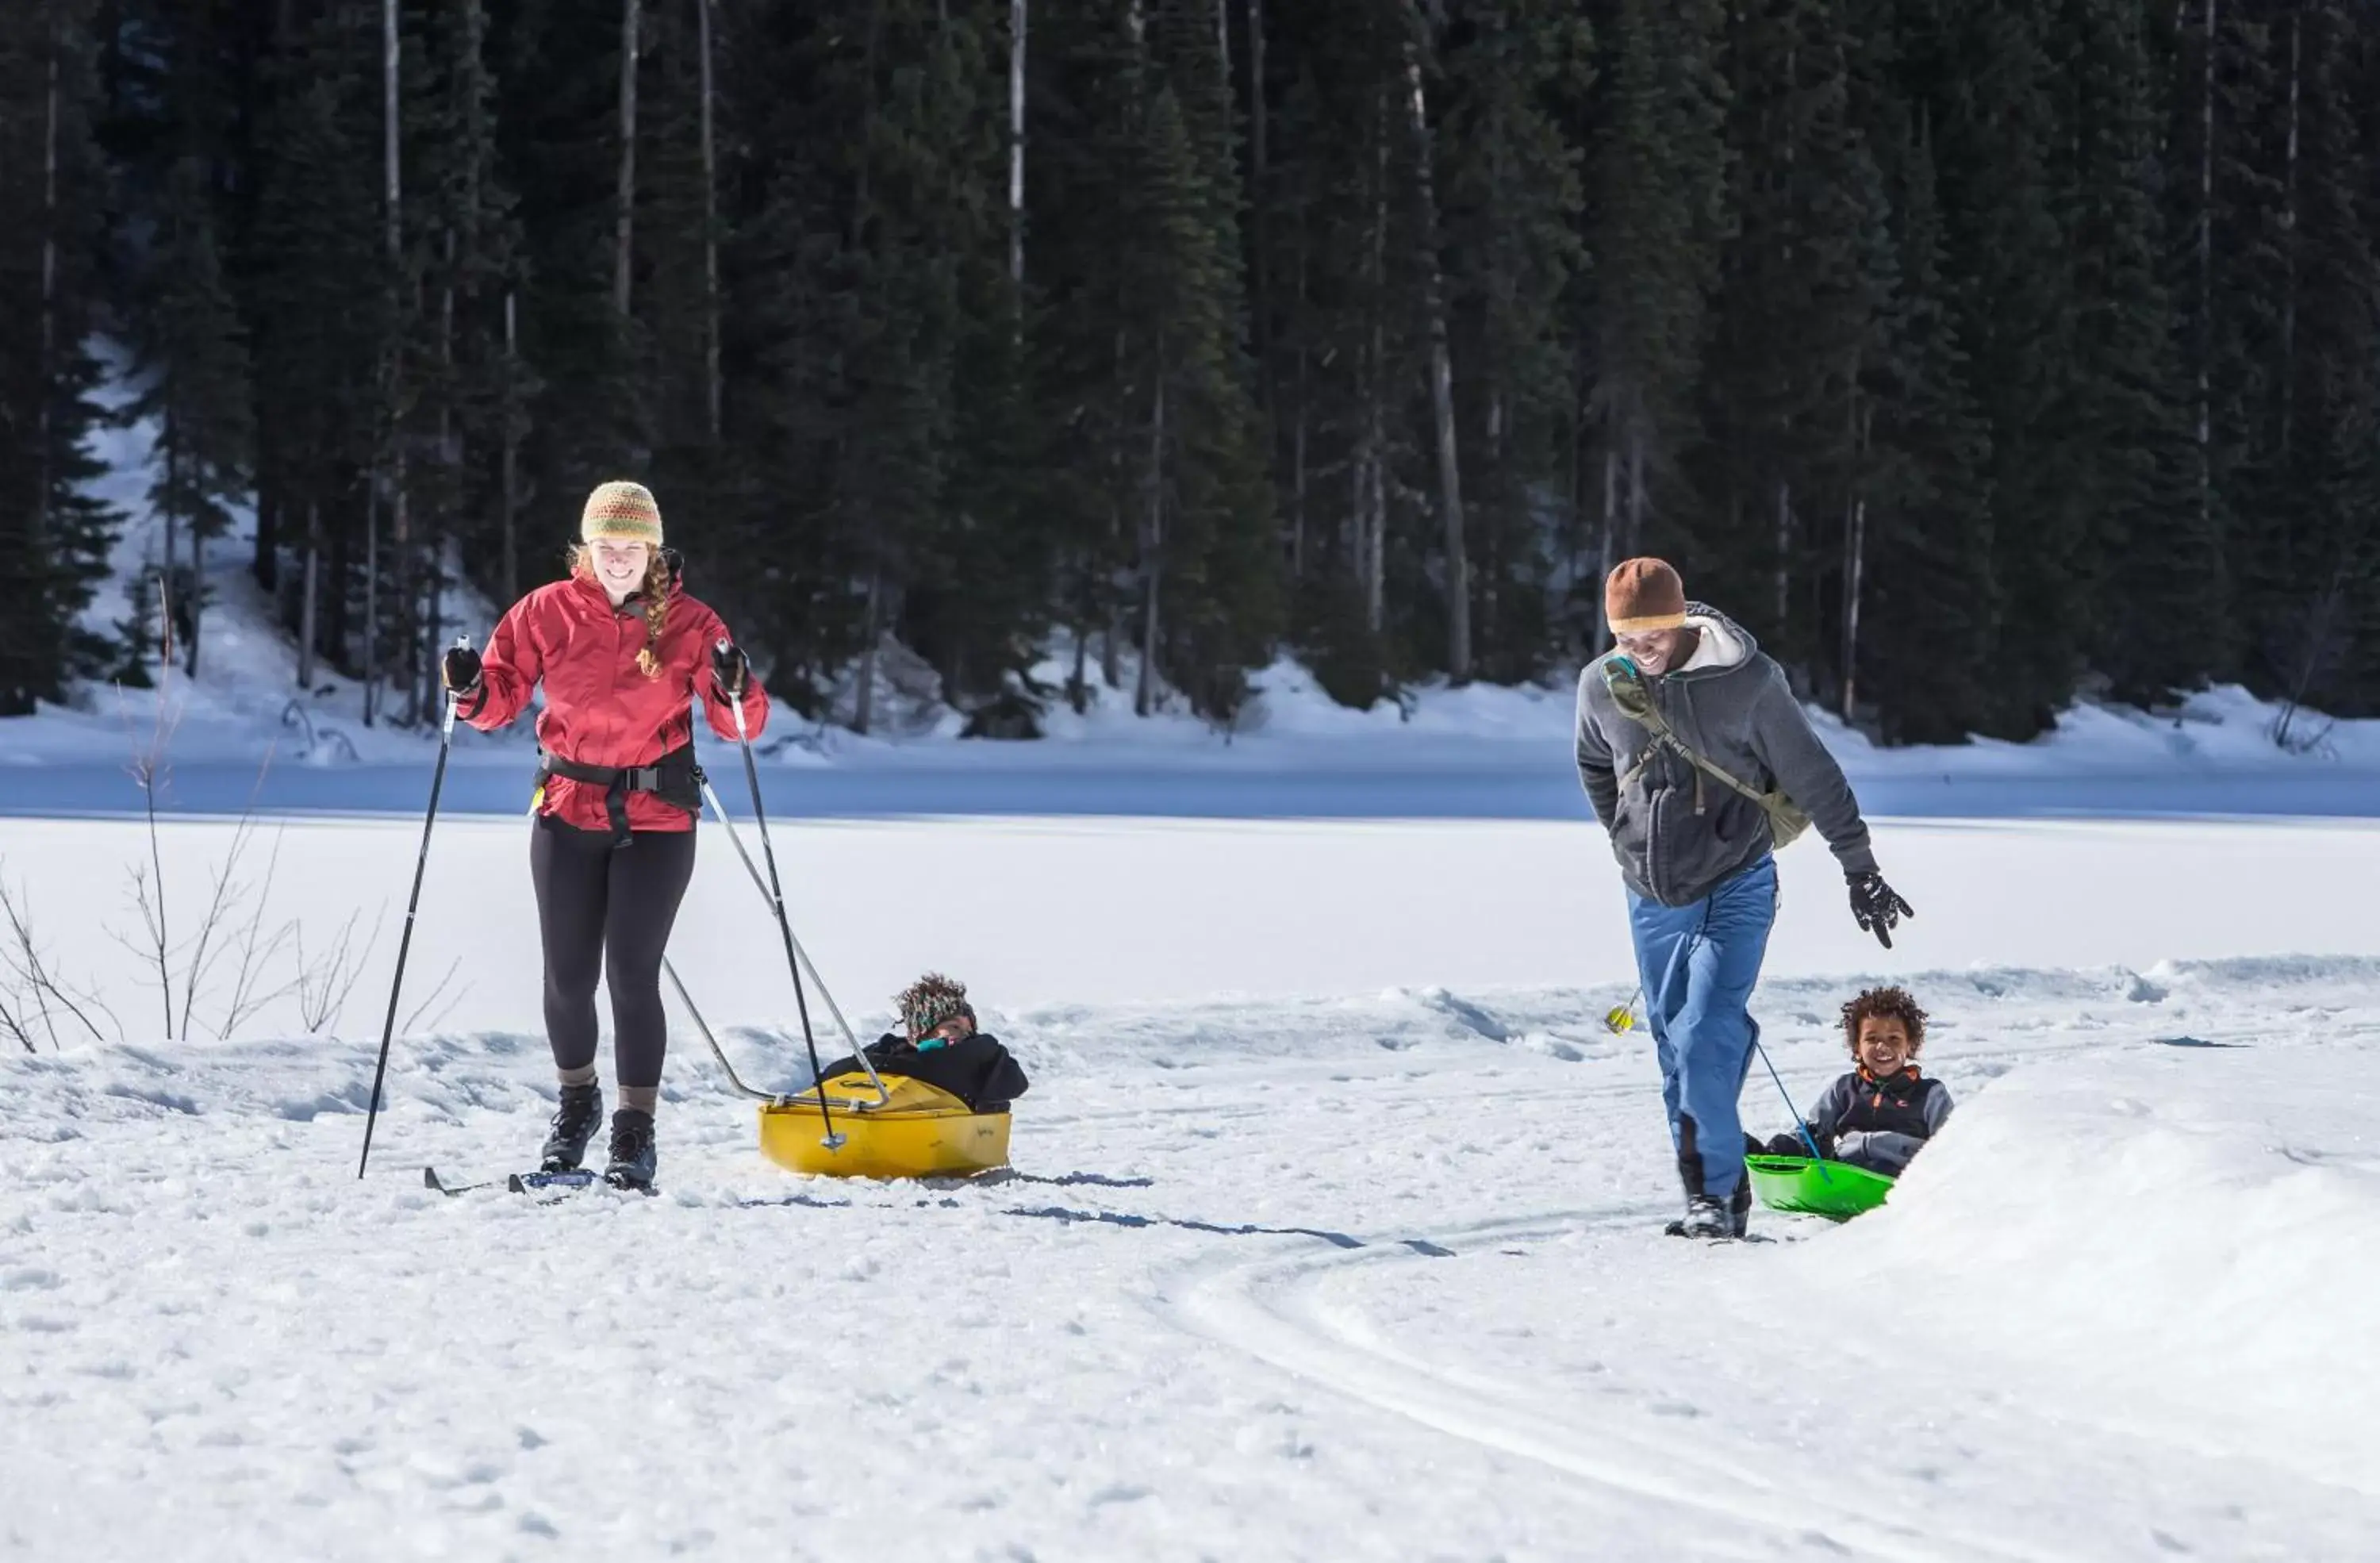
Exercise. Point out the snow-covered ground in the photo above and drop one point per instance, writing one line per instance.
(1333, 1230)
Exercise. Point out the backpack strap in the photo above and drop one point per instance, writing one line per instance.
(1635, 702)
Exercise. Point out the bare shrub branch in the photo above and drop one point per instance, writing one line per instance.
(414, 1020)
(225, 901)
(34, 974)
(325, 983)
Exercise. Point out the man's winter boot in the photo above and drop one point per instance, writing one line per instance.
(1738, 1206)
(574, 1124)
(633, 1157)
(1705, 1217)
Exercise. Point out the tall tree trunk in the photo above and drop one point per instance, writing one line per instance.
(1637, 486)
(2289, 248)
(2205, 278)
(1784, 550)
(1607, 559)
(47, 366)
(433, 627)
(1372, 520)
(1441, 386)
(338, 608)
(1298, 470)
(863, 702)
(371, 601)
(624, 231)
(400, 523)
(194, 601)
(1016, 30)
(450, 455)
(169, 438)
(1111, 643)
(1152, 550)
(1855, 572)
(1259, 246)
(307, 630)
(510, 501)
(712, 394)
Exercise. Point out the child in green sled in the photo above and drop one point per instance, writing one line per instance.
(942, 1048)
(1881, 1114)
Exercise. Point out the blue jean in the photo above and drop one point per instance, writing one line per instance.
(1699, 964)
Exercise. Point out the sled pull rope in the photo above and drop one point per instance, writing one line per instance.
(1799, 1122)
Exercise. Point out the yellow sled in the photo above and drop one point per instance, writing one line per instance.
(917, 1131)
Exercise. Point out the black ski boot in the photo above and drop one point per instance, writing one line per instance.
(1739, 1205)
(574, 1124)
(633, 1157)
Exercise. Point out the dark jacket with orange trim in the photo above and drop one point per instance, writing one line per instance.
(1879, 1125)
(601, 708)
(977, 1069)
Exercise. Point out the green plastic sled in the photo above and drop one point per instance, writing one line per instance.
(1836, 1190)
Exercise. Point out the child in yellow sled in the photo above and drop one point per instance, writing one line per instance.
(942, 1048)
(1881, 1114)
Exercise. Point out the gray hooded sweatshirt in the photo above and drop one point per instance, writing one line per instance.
(1677, 832)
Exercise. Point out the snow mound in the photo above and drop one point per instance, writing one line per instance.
(2193, 1237)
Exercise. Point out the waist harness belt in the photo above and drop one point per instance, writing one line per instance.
(675, 779)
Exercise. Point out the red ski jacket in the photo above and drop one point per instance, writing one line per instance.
(600, 707)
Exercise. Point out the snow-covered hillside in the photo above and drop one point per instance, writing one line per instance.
(1482, 751)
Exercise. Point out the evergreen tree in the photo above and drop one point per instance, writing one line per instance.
(1513, 200)
(1996, 131)
(1930, 609)
(1660, 216)
(2121, 412)
(55, 536)
(194, 354)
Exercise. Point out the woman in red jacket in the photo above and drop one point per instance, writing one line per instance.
(622, 652)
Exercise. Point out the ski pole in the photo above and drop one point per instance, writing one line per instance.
(1799, 1122)
(412, 903)
(777, 900)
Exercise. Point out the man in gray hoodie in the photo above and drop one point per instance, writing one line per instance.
(1700, 763)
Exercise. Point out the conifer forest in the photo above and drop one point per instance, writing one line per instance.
(1975, 355)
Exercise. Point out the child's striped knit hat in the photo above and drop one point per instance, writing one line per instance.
(623, 511)
(928, 1001)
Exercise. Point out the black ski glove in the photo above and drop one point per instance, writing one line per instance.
(460, 670)
(1877, 906)
(730, 669)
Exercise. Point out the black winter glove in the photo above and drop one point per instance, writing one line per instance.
(1876, 906)
(730, 669)
(460, 670)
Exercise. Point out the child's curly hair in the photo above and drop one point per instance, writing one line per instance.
(1890, 1002)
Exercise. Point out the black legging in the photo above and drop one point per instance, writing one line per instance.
(606, 911)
